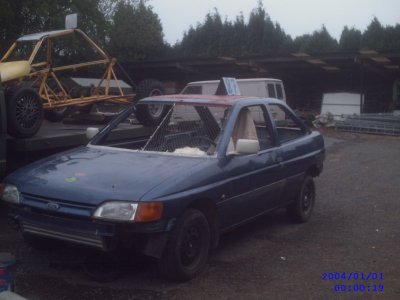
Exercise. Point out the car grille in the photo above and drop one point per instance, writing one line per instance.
(56, 206)
(88, 240)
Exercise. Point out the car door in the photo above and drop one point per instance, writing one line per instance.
(291, 134)
(256, 180)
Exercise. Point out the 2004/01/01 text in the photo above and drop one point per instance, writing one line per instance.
(353, 276)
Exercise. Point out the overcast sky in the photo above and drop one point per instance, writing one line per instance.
(296, 17)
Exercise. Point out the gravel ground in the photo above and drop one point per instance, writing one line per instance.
(353, 232)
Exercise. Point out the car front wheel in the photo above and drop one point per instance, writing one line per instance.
(301, 208)
(187, 249)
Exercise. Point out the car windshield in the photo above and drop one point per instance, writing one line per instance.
(186, 129)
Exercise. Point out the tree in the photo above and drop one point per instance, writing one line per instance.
(373, 36)
(216, 38)
(380, 38)
(255, 29)
(350, 40)
(210, 34)
(319, 42)
(29, 16)
(392, 38)
(233, 37)
(205, 39)
(130, 30)
(136, 32)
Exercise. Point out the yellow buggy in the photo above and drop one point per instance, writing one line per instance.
(35, 73)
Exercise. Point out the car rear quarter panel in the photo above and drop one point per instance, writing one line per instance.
(300, 156)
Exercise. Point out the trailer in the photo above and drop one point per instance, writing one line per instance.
(51, 138)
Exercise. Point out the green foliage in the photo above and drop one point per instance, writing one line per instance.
(373, 37)
(29, 16)
(130, 30)
(260, 36)
(216, 38)
(206, 39)
(136, 32)
(392, 38)
(380, 38)
(350, 40)
(319, 42)
(264, 37)
(259, 22)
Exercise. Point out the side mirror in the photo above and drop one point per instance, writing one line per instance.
(244, 146)
(91, 132)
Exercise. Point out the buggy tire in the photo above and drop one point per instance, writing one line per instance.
(150, 114)
(58, 114)
(24, 112)
(301, 208)
(187, 248)
(85, 110)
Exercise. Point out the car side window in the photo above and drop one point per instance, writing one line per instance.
(263, 127)
(252, 124)
(279, 91)
(271, 90)
(288, 128)
(193, 89)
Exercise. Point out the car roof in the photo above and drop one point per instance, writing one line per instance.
(237, 80)
(211, 100)
(39, 35)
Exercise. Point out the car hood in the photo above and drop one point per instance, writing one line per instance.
(94, 175)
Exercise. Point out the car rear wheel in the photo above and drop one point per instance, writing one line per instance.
(187, 249)
(24, 112)
(301, 208)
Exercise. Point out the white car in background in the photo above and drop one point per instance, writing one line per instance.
(253, 87)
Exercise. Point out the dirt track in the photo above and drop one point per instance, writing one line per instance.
(355, 228)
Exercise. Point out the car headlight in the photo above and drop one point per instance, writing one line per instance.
(116, 210)
(11, 194)
(129, 211)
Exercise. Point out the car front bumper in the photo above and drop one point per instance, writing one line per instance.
(88, 232)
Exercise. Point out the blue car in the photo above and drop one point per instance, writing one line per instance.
(212, 164)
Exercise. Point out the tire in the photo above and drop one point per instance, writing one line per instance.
(301, 208)
(58, 114)
(24, 112)
(85, 110)
(150, 114)
(187, 248)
